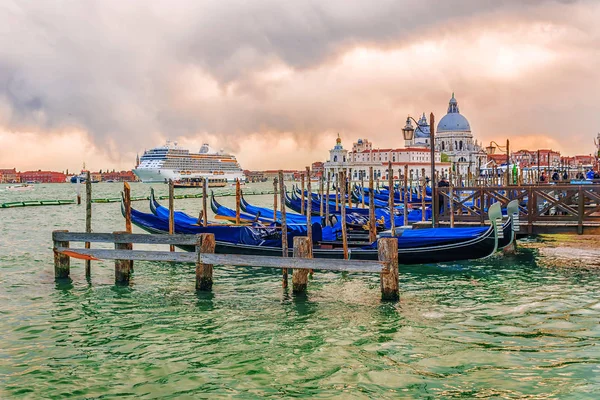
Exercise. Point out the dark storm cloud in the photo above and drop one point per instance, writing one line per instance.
(119, 70)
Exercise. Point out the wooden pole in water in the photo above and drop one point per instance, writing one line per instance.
(451, 197)
(274, 199)
(238, 195)
(372, 231)
(327, 198)
(302, 209)
(127, 196)
(423, 194)
(387, 249)
(309, 208)
(171, 211)
(204, 201)
(337, 191)
(343, 216)
(362, 191)
(321, 197)
(391, 198)
(205, 244)
(78, 190)
(122, 267)
(88, 220)
(62, 262)
(284, 242)
(302, 249)
(406, 195)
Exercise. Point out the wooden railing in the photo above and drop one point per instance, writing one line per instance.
(537, 203)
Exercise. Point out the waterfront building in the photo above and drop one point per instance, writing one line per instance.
(357, 162)
(529, 158)
(9, 175)
(42, 176)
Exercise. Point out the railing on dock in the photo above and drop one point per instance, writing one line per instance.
(204, 258)
(574, 205)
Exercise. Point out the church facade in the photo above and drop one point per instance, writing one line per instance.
(454, 144)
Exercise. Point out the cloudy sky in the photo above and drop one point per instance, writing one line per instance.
(275, 81)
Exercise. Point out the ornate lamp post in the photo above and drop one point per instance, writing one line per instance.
(491, 149)
(408, 132)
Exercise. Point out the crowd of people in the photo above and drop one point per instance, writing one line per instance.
(556, 176)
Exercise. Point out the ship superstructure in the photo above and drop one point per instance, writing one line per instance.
(173, 162)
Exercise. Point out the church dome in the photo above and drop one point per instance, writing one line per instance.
(453, 121)
(422, 130)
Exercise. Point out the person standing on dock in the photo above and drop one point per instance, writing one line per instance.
(443, 183)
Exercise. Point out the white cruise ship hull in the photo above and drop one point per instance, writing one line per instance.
(156, 175)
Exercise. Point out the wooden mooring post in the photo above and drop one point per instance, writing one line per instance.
(238, 199)
(62, 262)
(302, 249)
(284, 242)
(204, 201)
(387, 249)
(205, 244)
(321, 199)
(406, 194)
(327, 223)
(309, 207)
(171, 210)
(391, 194)
(372, 230)
(342, 176)
(302, 209)
(127, 203)
(122, 267)
(88, 219)
(274, 199)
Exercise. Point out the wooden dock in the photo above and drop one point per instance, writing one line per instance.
(204, 258)
(543, 208)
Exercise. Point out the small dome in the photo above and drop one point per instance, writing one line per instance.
(360, 141)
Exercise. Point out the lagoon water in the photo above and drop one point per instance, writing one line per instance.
(497, 328)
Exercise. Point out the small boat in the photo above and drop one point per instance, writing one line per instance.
(20, 188)
(198, 182)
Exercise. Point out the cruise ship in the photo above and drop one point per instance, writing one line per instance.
(173, 162)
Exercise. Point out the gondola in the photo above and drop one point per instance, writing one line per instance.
(445, 245)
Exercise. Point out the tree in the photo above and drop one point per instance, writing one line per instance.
(444, 158)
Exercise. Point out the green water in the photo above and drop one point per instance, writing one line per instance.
(497, 328)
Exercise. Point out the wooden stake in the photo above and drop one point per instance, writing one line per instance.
(238, 195)
(321, 197)
(327, 199)
(451, 197)
(387, 249)
(337, 191)
(171, 211)
(302, 249)
(204, 201)
(122, 267)
(62, 262)
(309, 208)
(284, 242)
(423, 194)
(302, 196)
(205, 244)
(127, 196)
(88, 220)
(391, 198)
(275, 200)
(362, 192)
(406, 195)
(342, 176)
(372, 231)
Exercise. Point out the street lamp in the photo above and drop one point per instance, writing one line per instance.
(491, 150)
(408, 131)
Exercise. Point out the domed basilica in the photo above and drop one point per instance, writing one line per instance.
(454, 139)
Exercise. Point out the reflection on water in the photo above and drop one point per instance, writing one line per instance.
(501, 327)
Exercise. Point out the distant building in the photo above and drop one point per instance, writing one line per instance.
(43, 176)
(9, 176)
(317, 168)
(255, 176)
(116, 176)
(527, 158)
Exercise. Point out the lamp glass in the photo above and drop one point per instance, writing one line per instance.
(491, 149)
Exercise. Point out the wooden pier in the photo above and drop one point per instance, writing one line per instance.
(543, 208)
(205, 259)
